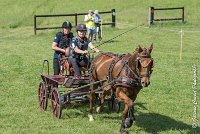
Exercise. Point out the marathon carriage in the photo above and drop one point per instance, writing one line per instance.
(76, 89)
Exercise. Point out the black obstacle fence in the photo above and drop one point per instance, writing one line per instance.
(113, 15)
(152, 11)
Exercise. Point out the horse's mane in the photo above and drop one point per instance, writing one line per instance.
(133, 56)
(132, 62)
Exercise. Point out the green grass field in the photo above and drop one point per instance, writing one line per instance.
(165, 107)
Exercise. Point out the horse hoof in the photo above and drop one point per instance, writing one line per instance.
(90, 117)
(128, 122)
(98, 109)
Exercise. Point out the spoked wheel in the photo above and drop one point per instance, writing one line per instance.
(56, 103)
(42, 96)
(114, 105)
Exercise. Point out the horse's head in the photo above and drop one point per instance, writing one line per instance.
(144, 64)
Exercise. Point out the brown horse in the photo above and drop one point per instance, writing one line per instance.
(125, 76)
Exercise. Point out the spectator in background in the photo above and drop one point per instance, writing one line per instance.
(61, 45)
(97, 21)
(89, 19)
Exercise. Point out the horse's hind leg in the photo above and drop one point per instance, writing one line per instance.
(92, 97)
(90, 115)
(102, 99)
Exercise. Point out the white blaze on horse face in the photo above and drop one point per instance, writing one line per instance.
(145, 81)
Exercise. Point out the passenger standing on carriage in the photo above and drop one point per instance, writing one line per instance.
(61, 45)
(78, 50)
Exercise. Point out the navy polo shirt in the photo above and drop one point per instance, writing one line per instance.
(63, 41)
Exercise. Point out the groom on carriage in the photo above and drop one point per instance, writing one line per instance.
(61, 45)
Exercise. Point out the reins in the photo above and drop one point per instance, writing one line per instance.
(116, 37)
(136, 75)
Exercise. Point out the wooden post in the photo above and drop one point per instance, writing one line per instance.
(113, 17)
(35, 24)
(151, 15)
(76, 20)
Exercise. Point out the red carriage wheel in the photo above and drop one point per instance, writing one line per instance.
(56, 103)
(42, 96)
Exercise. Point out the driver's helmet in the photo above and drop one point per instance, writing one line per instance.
(67, 24)
(81, 27)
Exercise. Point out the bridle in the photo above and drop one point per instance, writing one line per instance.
(149, 64)
(137, 76)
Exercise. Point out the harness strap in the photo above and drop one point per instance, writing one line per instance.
(124, 81)
(100, 88)
(125, 63)
(112, 65)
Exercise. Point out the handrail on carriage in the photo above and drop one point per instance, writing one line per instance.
(47, 66)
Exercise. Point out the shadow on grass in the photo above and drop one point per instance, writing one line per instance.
(149, 122)
(155, 123)
(82, 110)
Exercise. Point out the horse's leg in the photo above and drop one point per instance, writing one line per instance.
(124, 114)
(92, 97)
(102, 98)
(121, 95)
(90, 115)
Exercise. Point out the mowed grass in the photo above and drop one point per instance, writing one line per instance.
(164, 107)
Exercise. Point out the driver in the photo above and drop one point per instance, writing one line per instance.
(78, 50)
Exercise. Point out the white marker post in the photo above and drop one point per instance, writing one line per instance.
(181, 44)
(101, 29)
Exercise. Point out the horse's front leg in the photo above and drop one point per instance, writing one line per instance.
(127, 115)
(124, 115)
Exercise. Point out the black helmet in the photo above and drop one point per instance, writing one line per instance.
(67, 24)
(81, 27)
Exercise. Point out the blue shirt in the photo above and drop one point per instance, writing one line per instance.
(97, 19)
(63, 41)
(80, 45)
